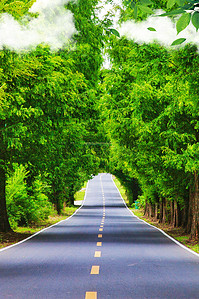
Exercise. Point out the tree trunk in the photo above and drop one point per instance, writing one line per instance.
(185, 213)
(151, 210)
(164, 210)
(156, 216)
(146, 211)
(161, 211)
(172, 213)
(4, 223)
(190, 212)
(176, 214)
(71, 198)
(195, 208)
(57, 202)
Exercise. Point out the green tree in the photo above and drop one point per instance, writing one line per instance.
(153, 121)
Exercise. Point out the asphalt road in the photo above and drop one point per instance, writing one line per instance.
(102, 252)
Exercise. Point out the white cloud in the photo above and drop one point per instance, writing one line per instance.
(165, 32)
(54, 26)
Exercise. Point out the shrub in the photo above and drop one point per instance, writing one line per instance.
(23, 208)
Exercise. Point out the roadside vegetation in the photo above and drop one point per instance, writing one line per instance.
(63, 118)
(79, 195)
(50, 126)
(35, 218)
(177, 233)
(20, 233)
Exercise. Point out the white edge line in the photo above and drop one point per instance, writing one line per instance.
(37, 233)
(174, 240)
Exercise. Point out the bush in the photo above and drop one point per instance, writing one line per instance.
(22, 208)
(42, 204)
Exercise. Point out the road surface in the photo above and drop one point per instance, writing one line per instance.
(102, 252)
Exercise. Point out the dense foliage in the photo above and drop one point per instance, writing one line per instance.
(63, 118)
(22, 208)
(49, 119)
(150, 104)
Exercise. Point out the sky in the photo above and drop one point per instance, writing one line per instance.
(55, 26)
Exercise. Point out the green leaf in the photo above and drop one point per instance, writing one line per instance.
(170, 3)
(195, 20)
(178, 41)
(127, 2)
(135, 12)
(183, 22)
(115, 32)
(180, 2)
(173, 12)
(145, 2)
(151, 29)
(145, 9)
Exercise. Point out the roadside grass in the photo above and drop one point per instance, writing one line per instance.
(121, 189)
(79, 195)
(176, 233)
(21, 233)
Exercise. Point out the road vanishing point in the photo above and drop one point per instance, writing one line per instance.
(103, 251)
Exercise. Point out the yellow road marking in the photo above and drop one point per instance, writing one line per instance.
(91, 295)
(97, 254)
(101, 225)
(100, 236)
(99, 243)
(95, 270)
(100, 229)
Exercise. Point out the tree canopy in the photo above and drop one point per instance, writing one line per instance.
(64, 118)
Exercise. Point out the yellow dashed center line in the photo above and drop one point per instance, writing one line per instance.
(100, 229)
(101, 225)
(95, 270)
(100, 236)
(97, 254)
(91, 295)
(99, 243)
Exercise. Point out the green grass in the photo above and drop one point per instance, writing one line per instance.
(79, 195)
(176, 233)
(52, 219)
(121, 189)
(21, 233)
(194, 247)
